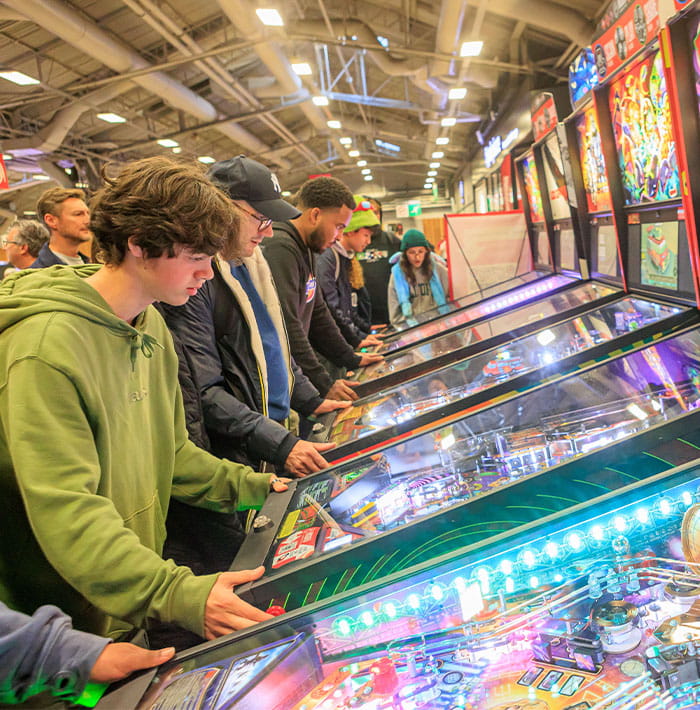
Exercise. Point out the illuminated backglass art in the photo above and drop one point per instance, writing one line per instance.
(659, 255)
(532, 189)
(646, 150)
(595, 180)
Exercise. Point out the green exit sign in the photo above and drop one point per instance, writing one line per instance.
(414, 209)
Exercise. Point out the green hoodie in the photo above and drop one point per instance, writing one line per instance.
(92, 445)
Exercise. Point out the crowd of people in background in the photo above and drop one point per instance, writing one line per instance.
(258, 308)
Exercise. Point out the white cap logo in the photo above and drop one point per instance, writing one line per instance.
(275, 182)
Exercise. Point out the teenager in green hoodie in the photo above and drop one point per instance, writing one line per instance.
(93, 440)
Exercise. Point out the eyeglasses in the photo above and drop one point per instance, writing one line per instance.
(5, 242)
(263, 222)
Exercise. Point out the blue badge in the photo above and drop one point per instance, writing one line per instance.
(310, 288)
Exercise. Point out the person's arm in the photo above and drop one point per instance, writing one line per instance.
(305, 398)
(44, 653)
(396, 316)
(326, 338)
(325, 270)
(77, 526)
(224, 414)
(283, 260)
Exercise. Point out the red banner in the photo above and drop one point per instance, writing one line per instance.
(4, 181)
(637, 26)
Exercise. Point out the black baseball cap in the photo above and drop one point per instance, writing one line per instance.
(243, 178)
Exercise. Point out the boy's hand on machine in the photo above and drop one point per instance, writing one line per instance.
(369, 341)
(225, 611)
(305, 458)
(342, 389)
(119, 660)
(278, 485)
(369, 358)
(330, 405)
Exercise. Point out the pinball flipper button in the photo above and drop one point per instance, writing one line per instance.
(276, 610)
(262, 522)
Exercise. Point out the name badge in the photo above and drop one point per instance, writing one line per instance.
(310, 288)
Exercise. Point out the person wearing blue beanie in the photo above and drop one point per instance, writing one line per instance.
(418, 282)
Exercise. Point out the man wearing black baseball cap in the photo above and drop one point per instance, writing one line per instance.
(233, 334)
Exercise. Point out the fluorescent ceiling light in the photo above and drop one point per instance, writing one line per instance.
(111, 117)
(432, 173)
(443, 140)
(206, 159)
(8, 156)
(456, 94)
(471, 49)
(168, 143)
(270, 17)
(354, 153)
(434, 165)
(368, 177)
(41, 176)
(286, 193)
(361, 163)
(16, 77)
(346, 140)
(302, 68)
(427, 185)
(334, 124)
(430, 179)
(449, 121)
(438, 154)
(366, 171)
(177, 150)
(320, 100)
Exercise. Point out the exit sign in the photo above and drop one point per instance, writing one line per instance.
(414, 209)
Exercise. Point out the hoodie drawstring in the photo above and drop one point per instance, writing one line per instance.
(145, 343)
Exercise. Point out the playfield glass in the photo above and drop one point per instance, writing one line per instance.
(646, 149)
(595, 608)
(467, 457)
(543, 350)
(510, 320)
(483, 309)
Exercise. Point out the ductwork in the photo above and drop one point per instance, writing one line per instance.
(54, 133)
(90, 39)
(415, 70)
(549, 16)
(242, 17)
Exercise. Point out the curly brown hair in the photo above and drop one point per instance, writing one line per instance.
(161, 204)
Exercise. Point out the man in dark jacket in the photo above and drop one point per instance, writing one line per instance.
(377, 269)
(326, 206)
(67, 218)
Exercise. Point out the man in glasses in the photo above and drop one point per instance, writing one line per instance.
(233, 333)
(23, 242)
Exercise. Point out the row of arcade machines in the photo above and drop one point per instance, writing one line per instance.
(511, 520)
(594, 607)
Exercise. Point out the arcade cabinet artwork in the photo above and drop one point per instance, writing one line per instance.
(659, 258)
(584, 611)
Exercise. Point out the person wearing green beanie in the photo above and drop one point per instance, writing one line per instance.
(342, 281)
(418, 282)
